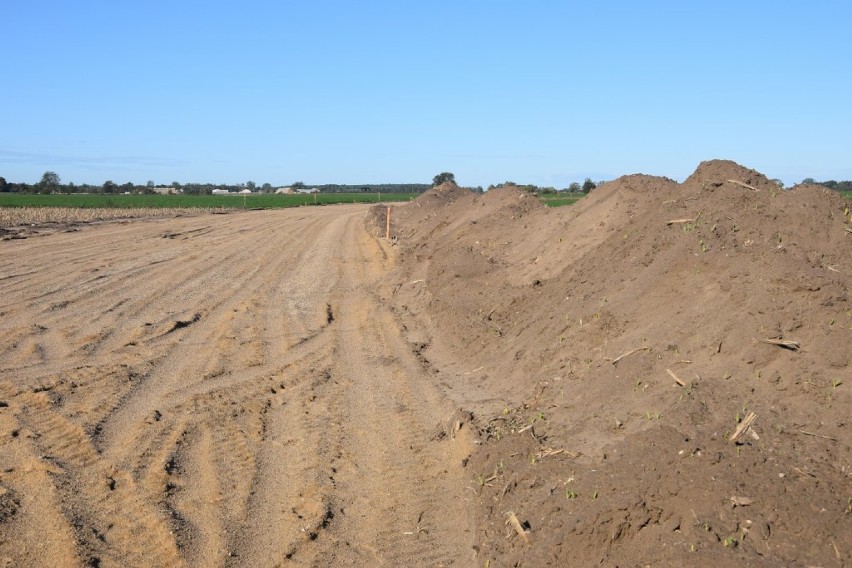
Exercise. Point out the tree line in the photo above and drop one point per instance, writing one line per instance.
(575, 187)
(831, 184)
(51, 183)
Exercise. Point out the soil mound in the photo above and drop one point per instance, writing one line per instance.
(716, 173)
(610, 351)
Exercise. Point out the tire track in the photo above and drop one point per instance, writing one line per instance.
(230, 388)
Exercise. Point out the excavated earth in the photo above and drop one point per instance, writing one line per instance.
(658, 375)
(610, 350)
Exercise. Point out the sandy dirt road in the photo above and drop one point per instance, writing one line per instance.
(220, 390)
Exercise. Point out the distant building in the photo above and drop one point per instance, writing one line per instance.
(309, 190)
(245, 191)
(286, 190)
(166, 190)
(218, 191)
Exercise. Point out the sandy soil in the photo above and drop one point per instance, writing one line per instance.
(501, 384)
(219, 391)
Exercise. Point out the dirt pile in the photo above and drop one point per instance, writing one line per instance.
(611, 349)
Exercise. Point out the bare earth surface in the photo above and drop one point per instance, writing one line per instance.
(219, 391)
(659, 375)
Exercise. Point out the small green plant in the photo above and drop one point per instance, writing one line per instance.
(730, 542)
(836, 383)
(569, 494)
(594, 495)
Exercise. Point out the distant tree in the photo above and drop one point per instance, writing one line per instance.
(575, 187)
(443, 177)
(588, 185)
(778, 182)
(298, 185)
(110, 187)
(809, 180)
(4, 187)
(266, 188)
(49, 183)
(251, 186)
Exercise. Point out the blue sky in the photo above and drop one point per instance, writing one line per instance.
(366, 92)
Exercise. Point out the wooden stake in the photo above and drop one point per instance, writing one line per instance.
(387, 232)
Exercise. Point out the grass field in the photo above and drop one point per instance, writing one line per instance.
(559, 200)
(265, 201)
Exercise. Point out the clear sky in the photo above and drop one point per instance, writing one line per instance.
(543, 92)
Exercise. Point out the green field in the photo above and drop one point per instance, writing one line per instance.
(559, 200)
(264, 201)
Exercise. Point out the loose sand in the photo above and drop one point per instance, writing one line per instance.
(219, 390)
